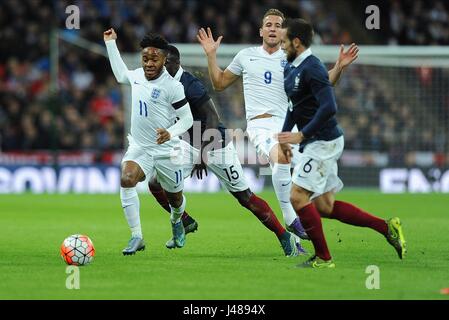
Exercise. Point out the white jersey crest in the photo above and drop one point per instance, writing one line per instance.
(263, 81)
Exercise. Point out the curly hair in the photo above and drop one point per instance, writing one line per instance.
(154, 40)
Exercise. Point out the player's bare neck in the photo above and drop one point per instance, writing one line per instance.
(270, 50)
(155, 77)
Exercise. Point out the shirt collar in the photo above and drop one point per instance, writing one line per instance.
(299, 59)
(179, 74)
(263, 51)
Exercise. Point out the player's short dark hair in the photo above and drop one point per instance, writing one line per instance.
(154, 40)
(172, 50)
(273, 12)
(299, 28)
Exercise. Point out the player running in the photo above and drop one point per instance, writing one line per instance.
(312, 108)
(266, 103)
(210, 148)
(154, 144)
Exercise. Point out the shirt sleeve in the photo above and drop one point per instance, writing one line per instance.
(236, 66)
(119, 68)
(184, 123)
(289, 122)
(318, 79)
(196, 94)
(178, 97)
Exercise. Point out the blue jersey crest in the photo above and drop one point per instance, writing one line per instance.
(155, 93)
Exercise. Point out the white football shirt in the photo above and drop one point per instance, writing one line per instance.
(152, 108)
(263, 81)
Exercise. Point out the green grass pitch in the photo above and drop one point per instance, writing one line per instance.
(232, 256)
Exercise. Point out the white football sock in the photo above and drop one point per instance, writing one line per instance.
(176, 213)
(131, 206)
(282, 179)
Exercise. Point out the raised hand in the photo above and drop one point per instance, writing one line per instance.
(200, 165)
(109, 35)
(345, 58)
(207, 41)
(199, 168)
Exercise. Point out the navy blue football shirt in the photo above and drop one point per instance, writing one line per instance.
(312, 104)
(196, 94)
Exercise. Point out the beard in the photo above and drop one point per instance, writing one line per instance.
(291, 56)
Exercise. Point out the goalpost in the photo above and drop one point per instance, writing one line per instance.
(393, 107)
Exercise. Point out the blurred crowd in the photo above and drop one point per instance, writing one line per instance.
(237, 21)
(378, 113)
(418, 22)
(376, 110)
(87, 113)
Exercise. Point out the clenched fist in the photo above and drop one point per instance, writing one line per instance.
(109, 35)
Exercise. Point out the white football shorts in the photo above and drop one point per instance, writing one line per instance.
(224, 163)
(261, 133)
(167, 168)
(317, 169)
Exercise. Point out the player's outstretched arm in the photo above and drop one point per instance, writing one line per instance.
(118, 66)
(345, 58)
(220, 79)
(182, 125)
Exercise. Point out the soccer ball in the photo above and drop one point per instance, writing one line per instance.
(77, 250)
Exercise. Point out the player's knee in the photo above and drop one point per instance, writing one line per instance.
(176, 203)
(282, 160)
(244, 202)
(243, 199)
(296, 203)
(127, 180)
(298, 198)
(277, 156)
(175, 199)
(324, 205)
(325, 209)
(154, 185)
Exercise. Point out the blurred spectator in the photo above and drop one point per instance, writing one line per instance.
(88, 114)
(102, 105)
(418, 22)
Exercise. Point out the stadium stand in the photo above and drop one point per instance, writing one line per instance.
(88, 113)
